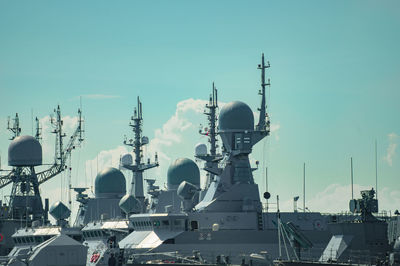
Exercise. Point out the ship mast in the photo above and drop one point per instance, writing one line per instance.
(38, 134)
(25, 199)
(211, 114)
(15, 129)
(262, 122)
(138, 167)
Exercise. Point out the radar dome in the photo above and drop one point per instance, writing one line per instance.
(126, 159)
(59, 211)
(24, 151)
(201, 149)
(109, 183)
(180, 170)
(236, 116)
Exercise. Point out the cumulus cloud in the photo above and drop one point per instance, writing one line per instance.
(48, 138)
(391, 149)
(335, 198)
(104, 159)
(275, 130)
(177, 137)
(170, 132)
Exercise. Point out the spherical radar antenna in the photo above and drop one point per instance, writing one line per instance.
(110, 182)
(180, 170)
(24, 151)
(236, 116)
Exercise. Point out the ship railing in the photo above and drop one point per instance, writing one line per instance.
(172, 257)
(323, 255)
(343, 216)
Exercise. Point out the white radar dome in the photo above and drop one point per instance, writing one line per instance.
(201, 149)
(24, 151)
(126, 159)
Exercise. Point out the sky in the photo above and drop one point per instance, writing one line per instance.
(335, 70)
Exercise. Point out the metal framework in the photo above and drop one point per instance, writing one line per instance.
(212, 158)
(138, 167)
(24, 178)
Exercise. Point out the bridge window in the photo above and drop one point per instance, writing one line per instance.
(194, 225)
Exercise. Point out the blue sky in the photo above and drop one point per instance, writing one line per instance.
(335, 70)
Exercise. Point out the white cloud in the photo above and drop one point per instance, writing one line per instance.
(108, 158)
(391, 149)
(335, 198)
(177, 137)
(48, 138)
(275, 130)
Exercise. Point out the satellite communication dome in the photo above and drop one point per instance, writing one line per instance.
(126, 159)
(180, 170)
(109, 183)
(201, 149)
(24, 151)
(129, 204)
(236, 116)
(59, 211)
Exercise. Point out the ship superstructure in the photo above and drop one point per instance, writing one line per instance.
(211, 158)
(229, 219)
(135, 201)
(225, 219)
(102, 236)
(25, 156)
(103, 233)
(48, 244)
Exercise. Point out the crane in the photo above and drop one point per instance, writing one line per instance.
(24, 178)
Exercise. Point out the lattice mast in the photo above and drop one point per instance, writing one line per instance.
(211, 132)
(263, 122)
(25, 199)
(38, 132)
(138, 167)
(15, 129)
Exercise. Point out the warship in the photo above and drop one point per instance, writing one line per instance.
(362, 241)
(102, 236)
(25, 206)
(229, 220)
(224, 223)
